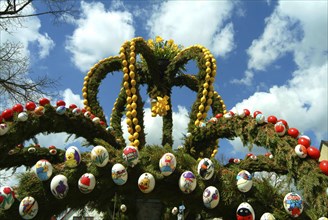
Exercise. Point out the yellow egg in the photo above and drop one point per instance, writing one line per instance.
(128, 92)
(201, 107)
(126, 85)
(133, 90)
(136, 143)
(209, 101)
(122, 56)
(205, 85)
(132, 48)
(138, 128)
(131, 138)
(126, 77)
(208, 64)
(197, 122)
(131, 67)
(204, 92)
(133, 82)
(134, 113)
(132, 60)
(132, 54)
(134, 105)
(199, 115)
(128, 99)
(203, 100)
(132, 74)
(128, 122)
(135, 121)
(130, 130)
(136, 135)
(128, 114)
(85, 102)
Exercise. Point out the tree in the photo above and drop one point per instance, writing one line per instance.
(201, 141)
(14, 78)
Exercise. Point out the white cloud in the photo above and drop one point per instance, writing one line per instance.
(247, 80)
(198, 22)
(302, 102)
(99, 34)
(70, 98)
(27, 31)
(153, 127)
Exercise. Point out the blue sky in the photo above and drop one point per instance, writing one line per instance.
(271, 56)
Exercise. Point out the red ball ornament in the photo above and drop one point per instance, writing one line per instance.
(219, 115)
(83, 110)
(102, 123)
(231, 160)
(7, 114)
(284, 122)
(30, 106)
(231, 113)
(304, 141)
(293, 132)
(272, 119)
(44, 101)
(324, 166)
(280, 128)
(249, 155)
(256, 113)
(313, 152)
(60, 103)
(18, 108)
(72, 106)
(247, 112)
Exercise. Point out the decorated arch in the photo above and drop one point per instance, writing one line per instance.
(188, 177)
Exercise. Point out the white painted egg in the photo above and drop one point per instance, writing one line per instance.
(96, 120)
(322, 218)
(205, 169)
(146, 182)
(3, 129)
(293, 204)
(244, 181)
(43, 170)
(22, 116)
(267, 216)
(72, 157)
(28, 208)
(119, 174)
(211, 197)
(7, 197)
(245, 211)
(131, 155)
(99, 156)
(59, 186)
(123, 208)
(60, 110)
(87, 183)
(167, 164)
(76, 111)
(301, 151)
(260, 119)
(187, 182)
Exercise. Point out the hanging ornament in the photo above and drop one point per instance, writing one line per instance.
(72, 106)
(30, 106)
(131, 155)
(293, 204)
(306, 142)
(260, 119)
(43, 170)
(7, 197)
(60, 110)
(241, 114)
(123, 208)
(59, 186)
(236, 160)
(322, 218)
(23, 116)
(324, 166)
(167, 164)
(31, 150)
(313, 152)
(174, 211)
(87, 183)
(280, 128)
(7, 114)
(146, 182)
(267, 216)
(60, 103)
(18, 108)
(205, 169)
(187, 182)
(28, 208)
(213, 120)
(99, 156)
(72, 157)
(3, 129)
(96, 120)
(52, 150)
(293, 132)
(119, 174)
(44, 101)
(244, 181)
(272, 119)
(300, 151)
(245, 211)
(211, 197)
(39, 111)
(76, 111)
(247, 112)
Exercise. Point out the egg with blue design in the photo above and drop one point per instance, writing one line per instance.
(293, 204)
(43, 170)
(28, 208)
(59, 186)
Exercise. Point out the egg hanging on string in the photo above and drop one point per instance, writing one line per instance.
(131, 155)
(59, 186)
(119, 174)
(99, 156)
(7, 197)
(244, 181)
(87, 183)
(72, 157)
(146, 182)
(187, 182)
(28, 208)
(211, 197)
(205, 169)
(245, 211)
(167, 164)
(293, 204)
(43, 169)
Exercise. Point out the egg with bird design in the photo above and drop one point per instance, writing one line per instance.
(205, 169)
(72, 157)
(146, 182)
(43, 170)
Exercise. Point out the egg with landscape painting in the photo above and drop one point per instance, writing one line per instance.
(99, 156)
(87, 183)
(7, 197)
(205, 169)
(211, 197)
(59, 186)
(244, 181)
(43, 170)
(119, 174)
(167, 164)
(187, 182)
(293, 204)
(28, 208)
(72, 157)
(146, 182)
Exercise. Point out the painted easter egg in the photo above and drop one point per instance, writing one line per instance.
(76, 111)
(260, 119)
(131, 155)
(43, 170)
(293, 204)
(244, 181)
(205, 169)
(72, 157)
(146, 182)
(211, 197)
(59, 186)
(301, 151)
(167, 164)
(87, 183)
(245, 211)
(119, 174)
(60, 110)
(99, 156)
(7, 197)
(3, 129)
(267, 216)
(187, 182)
(28, 208)
(23, 116)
